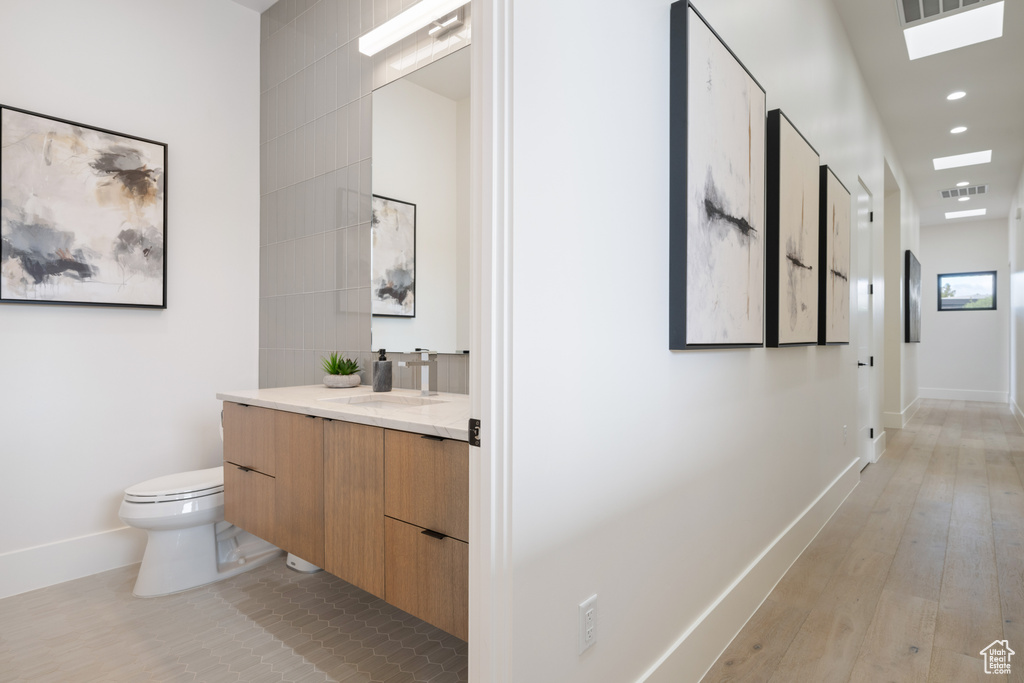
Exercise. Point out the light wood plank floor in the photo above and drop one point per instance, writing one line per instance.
(919, 569)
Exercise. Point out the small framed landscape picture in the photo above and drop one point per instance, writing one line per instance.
(83, 214)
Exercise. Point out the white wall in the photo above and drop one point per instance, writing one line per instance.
(657, 479)
(964, 355)
(415, 145)
(1016, 230)
(97, 399)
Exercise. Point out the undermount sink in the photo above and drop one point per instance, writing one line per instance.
(384, 401)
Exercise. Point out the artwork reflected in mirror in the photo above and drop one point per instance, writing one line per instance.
(393, 262)
(420, 232)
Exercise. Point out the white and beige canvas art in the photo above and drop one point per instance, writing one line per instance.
(834, 278)
(82, 214)
(797, 254)
(725, 195)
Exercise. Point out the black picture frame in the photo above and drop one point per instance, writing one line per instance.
(716, 216)
(83, 214)
(834, 248)
(911, 299)
(392, 258)
(792, 259)
(967, 305)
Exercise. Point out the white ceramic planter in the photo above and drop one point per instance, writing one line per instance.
(342, 381)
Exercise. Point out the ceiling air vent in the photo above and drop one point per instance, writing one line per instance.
(912, 11)
(964, 191)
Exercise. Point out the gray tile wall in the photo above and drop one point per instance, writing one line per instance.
(315, 190)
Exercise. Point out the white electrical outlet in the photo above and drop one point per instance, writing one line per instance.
(588, 622)
(844, 434)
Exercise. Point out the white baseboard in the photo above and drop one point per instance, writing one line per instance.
(700, 646)
(965, 395)
(879, 444)
(900, 420)
(1017, 413)
(46, 565)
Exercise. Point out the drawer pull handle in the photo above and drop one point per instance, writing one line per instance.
(434, 534)
(244, 469)
(432, 438)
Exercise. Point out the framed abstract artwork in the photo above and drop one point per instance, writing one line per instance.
(792, 235)
(833, 260)
(717, 196)
(83, 214)
(911, 298)
(393, 257)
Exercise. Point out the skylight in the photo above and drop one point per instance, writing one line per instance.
(965, 214)
(956, 31)
(958, 160)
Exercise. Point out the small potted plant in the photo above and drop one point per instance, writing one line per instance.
(341, 372)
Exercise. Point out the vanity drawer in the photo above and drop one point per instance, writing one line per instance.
(249, 501)
(249, 437)
(427, 576)
(426, 482)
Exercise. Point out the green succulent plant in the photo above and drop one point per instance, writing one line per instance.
(339, 365)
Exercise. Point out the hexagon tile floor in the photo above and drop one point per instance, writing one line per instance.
(267, 625)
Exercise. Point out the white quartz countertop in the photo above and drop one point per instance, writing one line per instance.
(444, 415)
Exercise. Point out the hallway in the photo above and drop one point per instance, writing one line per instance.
(920, 568)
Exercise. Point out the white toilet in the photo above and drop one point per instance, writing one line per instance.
(189, 544)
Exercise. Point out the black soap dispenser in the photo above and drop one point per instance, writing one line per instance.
(382, 373)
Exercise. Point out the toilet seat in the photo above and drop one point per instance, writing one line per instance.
(174, 487)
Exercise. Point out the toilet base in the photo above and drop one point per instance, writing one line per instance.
(177, 560)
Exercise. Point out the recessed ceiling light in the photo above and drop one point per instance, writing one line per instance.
(965, 199)
(958, 160)
(963, 184)
(965, 214)
(956, 31)
(958, 130)
(956, 95)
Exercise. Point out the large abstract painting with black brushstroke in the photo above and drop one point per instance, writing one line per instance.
(911, 298)
(393, 257)
(834, 275)
(798, 172)
(82, 214)
(725, 195)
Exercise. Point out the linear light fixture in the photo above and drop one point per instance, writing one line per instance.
(965, 214)
(958, 130)
(408, 22)
(958, 95)
(958, 160)
(958, 30)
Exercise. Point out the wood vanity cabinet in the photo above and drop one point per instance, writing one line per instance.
(385, 510)
(354, 504)
(426, 528)
(273, 477)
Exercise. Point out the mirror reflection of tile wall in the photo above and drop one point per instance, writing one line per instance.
(315, 184)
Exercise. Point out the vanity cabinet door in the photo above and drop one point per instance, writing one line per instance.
(249, 437)
(428, 577)
(298, 440)
(249, 501)
(354, 504)
(426, 482)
